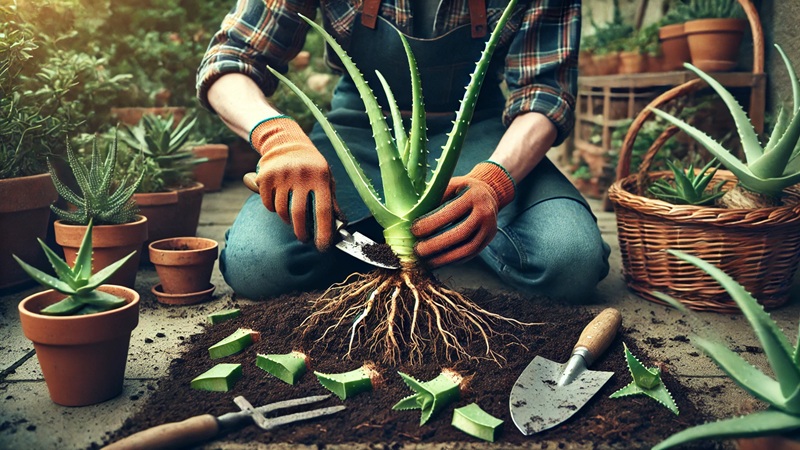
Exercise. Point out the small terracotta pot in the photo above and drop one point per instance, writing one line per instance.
(184, 264)
(631, 62)
(110, 243)
(607, 64)
(674, 46)
(82, 357)
(24, 216)
(210, 173)
(714, 43)
(171, 213)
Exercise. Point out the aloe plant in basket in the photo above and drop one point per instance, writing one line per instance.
(768, 169)
(781, 394)
(409, 311)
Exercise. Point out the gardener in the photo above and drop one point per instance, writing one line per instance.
(546, 240)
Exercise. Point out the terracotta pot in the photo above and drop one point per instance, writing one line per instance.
(184, 264)
(301, 61)
(24, 216)
(82, 357)
(586, 64)
(607, 64)
(241, 160)
(631, 62)
(110, 243)
(714, 43)
(132, 115)
(170, 214)
(210, 173)
(768, 442)
(655, 63)
(674, 46)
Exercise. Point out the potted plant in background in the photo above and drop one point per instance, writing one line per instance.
(81, 327)
(119, 228)
(184, 266)
(168, 195)
(632, 58)
(672, 36)
(610, 37)
(213, 137)
(714, 31)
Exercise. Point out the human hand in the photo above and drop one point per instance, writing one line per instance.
(294, 180)
(466, 221)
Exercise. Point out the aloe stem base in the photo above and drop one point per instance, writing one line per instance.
(401, 315)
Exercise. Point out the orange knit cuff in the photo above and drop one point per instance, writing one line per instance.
(498, 178)
(276, 131)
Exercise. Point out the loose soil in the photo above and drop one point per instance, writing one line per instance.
(629, 423)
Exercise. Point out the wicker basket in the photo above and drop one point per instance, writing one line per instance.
(759, 248)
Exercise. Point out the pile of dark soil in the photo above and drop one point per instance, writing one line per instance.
(633, 422)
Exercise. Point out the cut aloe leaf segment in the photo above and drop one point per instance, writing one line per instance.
(348, 384)
(287, 367)
(219, 378)
(223, 315)
(474, 421)
(233, 344)
(431, 396)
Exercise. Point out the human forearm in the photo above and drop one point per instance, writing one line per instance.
(524, 144)
(240, 103)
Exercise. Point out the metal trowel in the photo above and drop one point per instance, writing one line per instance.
(353, 244)
(548, 393)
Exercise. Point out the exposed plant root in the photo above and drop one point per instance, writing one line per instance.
(403, 314)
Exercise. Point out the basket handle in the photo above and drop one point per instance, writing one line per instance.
(758, 35)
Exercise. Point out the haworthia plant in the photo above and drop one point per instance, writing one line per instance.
(288, 367)
(646, 381)
(219, 378)
(474, 421)
(235, 343)
(223, 315)
(781, 393)
(77, 281)
(431, 396)
(348, 384)
(689, 187)
(409, 189)
(768, 169)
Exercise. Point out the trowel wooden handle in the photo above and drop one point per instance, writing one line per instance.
(171, 435)
(599, 334)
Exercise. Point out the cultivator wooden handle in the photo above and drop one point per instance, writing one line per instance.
(183, 434)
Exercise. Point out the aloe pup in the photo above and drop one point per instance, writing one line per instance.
(431, 396)
(406, 309)
(780, 393)
(646, 381)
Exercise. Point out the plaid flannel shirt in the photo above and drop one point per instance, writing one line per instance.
(542, 39)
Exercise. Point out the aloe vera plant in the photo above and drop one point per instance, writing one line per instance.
(77, 282)
(781, 393)
(410, 191)
(767, 170)
(431, 396)
(646, 381)
(689, 187)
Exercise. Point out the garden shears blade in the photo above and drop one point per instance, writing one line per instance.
(548, 393)
(354, 244)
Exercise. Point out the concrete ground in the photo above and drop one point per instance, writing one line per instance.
(30, 420)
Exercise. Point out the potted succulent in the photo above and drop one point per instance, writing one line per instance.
(81, 327)
(168, 195)
(119, 228)
(610, 37)
(184, 266)
(714, 31)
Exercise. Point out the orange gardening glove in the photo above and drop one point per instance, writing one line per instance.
(466, 221)
(294, 180)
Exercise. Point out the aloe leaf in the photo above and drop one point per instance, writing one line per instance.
(61, 268)
(348, 384)
(62, 189)
(65, 307)
(235, 343)
(777, 132)
(773, 163)
(287, 368)
(793, 79)
(417, 162)
(105, 273)
(750, 144)
(435, 187)
(100, 299)
(400, 195)
(221, 316)
(79, 171)
(769, 422)
(775, 344)
(628, 390)
(44, 278)
(431, 396)
(642, 376)
(362, 184)
(400, 136)
(82, 269)
(220, 378)
(474, 421)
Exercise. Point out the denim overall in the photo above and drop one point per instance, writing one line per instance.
(547, 243)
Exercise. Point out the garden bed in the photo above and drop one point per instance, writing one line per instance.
(634, 422)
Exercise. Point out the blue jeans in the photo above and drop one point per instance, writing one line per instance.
(552, 248)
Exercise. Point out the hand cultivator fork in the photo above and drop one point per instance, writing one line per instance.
(201, 428)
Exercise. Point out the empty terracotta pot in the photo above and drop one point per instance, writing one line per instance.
(82, 357)
(184, 264)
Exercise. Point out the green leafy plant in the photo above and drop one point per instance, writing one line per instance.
(77, 282)
(768, 169)
(431, 396)
(166, 145)
(410, 192)
(99, 200)
(645, 382)
(348, 384)
(611, 36)
(233, 344)
(689, 186)
(713, 9)
(474, 421)
(220, 378)
(287, 367)
(780, 393)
